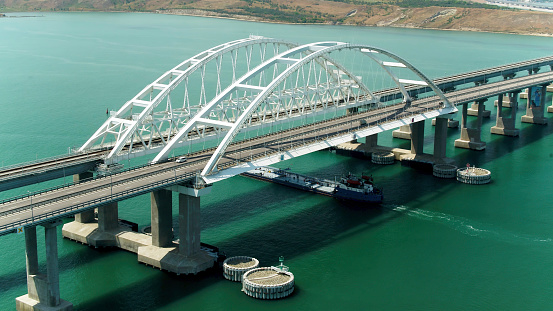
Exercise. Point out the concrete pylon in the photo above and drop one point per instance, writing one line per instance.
(440, 139)
(550, 89)
(417, 137)
(186, 257)
(475, 108)
(506, 126)
(404, 132)
(86, 216)
(189, 225)
(43, 289)
(535, 106)
(470, 137)
(162, 218)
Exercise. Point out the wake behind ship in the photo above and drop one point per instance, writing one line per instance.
(349, 188)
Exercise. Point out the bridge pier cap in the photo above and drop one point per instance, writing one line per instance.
(346, 90)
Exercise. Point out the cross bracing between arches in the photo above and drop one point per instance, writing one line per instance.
(283, 88)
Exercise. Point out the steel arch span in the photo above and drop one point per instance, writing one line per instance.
(138, 129)
(264, 100)
(281, 87)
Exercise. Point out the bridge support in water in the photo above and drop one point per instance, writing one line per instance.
(474, 109)
(535, 107)
(43, 289)
(470, 137)
(403, 132)
(506, 126)
(157, 250)
(550, 90)
(186, 257)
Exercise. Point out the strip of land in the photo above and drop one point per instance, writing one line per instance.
(425, 14)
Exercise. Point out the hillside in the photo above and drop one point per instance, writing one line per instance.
(430, 14)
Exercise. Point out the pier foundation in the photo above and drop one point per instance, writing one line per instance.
(403, 132)
(475, 108)
(186, 257)
(450, 123)
(535, 106)
(470, 137)
(43, 289)
(506, 126)
(158, 250)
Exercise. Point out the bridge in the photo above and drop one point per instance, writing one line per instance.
(237, 106)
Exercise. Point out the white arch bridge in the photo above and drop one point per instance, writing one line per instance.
(260, 86)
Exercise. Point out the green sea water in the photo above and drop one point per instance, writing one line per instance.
(433, 244)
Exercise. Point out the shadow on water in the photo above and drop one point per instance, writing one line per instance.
(308, 230)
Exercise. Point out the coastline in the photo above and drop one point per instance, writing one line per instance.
(247, 18)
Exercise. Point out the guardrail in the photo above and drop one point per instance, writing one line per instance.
(114, 197)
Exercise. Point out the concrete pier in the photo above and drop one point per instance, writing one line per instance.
(158, 250)
(43, 289)
(509, 101)
(506, 126)
(535, 106)
(186, 257)
(470, 137)
(404, 132)
(162, 222)
(475, 108)
(440, 139)
(450, 123)
(550, 90)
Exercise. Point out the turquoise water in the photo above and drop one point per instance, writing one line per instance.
(433, 245)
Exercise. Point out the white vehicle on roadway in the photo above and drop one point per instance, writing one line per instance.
(181, 159)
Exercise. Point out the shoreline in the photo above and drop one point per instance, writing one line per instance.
(248, 18)
(211, 14)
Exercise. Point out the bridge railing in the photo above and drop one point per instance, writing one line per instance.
(113, 197)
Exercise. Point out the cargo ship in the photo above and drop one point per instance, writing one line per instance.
(347, 188)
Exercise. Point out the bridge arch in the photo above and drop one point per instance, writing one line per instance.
(307, 53)
(129, 127)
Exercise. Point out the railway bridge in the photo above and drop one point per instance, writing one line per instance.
(229, 109)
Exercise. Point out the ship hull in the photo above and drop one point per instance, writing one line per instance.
(336, 192)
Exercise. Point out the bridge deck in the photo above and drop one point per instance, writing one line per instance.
(21, 175)
(76, 198)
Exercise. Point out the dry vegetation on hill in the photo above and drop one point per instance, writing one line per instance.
(430, 14)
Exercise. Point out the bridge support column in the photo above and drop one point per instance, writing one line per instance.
(474, 109)
(450, 123)
(86, 216)
(535, 106)
(506, 126)
(162, 222)
(509, 101)
(189, 224)
(549, 89)
(404, 132)
(470, 137)
(417, 137)
(440, 139)
(186, 257)
(43, 290)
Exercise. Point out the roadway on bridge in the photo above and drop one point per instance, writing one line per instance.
(79, 197)
(30, 171)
